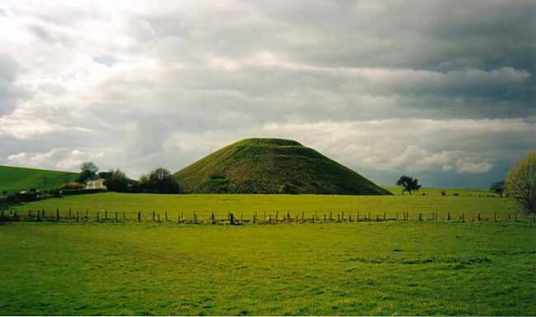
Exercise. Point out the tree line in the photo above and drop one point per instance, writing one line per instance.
(159, 180)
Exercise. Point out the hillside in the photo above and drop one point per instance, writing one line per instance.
(18, 178)
(272, 166)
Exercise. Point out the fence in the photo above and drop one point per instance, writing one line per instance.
(272, 218)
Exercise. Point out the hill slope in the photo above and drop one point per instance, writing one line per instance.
(272, 166)
(18, 178)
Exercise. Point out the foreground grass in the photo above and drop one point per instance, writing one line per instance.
(366, 268)
(203, 205)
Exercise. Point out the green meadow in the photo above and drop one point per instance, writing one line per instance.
(391, 268)
(469, 203)
(365, 268)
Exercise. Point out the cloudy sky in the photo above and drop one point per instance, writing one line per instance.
(440, 90)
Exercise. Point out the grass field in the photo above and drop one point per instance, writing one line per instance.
(17, 178)
(468, 203)
(366, 268)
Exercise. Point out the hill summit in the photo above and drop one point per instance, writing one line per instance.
(268, 166)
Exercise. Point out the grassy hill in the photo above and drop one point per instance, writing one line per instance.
(272, 166)
(18, 178)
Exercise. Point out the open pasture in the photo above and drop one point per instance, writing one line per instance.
(467, 204)
(366, 268)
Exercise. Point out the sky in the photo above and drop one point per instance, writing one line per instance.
(444, 91)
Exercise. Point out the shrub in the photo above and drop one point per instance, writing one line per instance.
(521, 182)
(160, 181)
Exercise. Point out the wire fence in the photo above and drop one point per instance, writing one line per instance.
(264, 218)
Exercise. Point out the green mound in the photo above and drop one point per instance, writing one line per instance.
(17, 178)
(272, 166)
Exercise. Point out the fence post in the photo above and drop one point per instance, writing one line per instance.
(478, 217)
(57, 214)
(495, 217)
(165, 215)
(98, 216)
(231, 218)
(105, 214)
(463, 217)
(254, 220)
(384, 216)
(420, 216)
(70, 214)
(116, 219)
(139, 216)
(124, 217)
(77, 216)
(154, 216)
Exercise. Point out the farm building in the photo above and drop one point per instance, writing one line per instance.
(96, 184)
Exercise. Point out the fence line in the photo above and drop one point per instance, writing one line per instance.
(231, 218)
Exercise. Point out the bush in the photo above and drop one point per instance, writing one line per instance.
(521, 182)
(159, 181)
(116, 181)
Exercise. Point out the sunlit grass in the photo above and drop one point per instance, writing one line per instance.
(367, 268)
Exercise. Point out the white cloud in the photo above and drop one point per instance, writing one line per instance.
(149, 84)
(62, 159)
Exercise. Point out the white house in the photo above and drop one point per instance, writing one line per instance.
(96, 184)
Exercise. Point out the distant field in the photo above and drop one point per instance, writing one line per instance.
(204, 204)
(431, 191)
(17, 178)
(360, 269)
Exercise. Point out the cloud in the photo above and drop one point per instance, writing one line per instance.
(450, 93)
(62, 159)
(10, 92)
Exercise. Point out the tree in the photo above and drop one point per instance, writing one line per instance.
(161, 181)
(409, 184)
(88, 171)
(498, 188)
(116, 181)
(521, 182)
